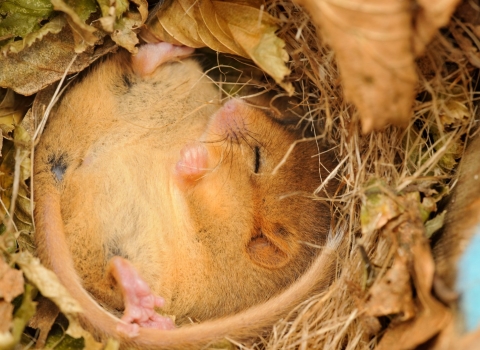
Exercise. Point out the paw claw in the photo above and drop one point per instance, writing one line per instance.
(139, 301)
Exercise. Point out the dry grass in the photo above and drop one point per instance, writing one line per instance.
(420, 157)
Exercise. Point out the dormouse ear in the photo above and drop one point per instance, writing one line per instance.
(281, 109)
(271, 247)
(151, 56)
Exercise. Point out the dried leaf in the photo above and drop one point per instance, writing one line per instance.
(392, 294)
(180, 26)
(12, 109)
(124, 35)
(122, 24)
(77, 12)
(432, 316)
(208, 25)
(6, 311)
(49, 285)
(432, 226)
(235, 27)
(378, 207)
(26, 71)
(376, 45)
(429, 17)
(266, 50)
(372, 43)
(43, 320)
(11, 282)
(47, 282)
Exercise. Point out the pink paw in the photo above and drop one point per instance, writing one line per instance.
(139, 301)
(193, 163)
(151, 56)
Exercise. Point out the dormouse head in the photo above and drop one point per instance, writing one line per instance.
(249, 181)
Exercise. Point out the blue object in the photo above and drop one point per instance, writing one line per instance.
(468, 282)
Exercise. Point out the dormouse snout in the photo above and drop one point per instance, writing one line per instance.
(229, 122)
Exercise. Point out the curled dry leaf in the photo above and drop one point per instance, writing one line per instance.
(392, 294)
(43, 320)
(47, 282)
(49, 285)
(11, 282)
(431, 316)
(235, 27)
(26, 72)
(376, 44)
(372, 42)
(122, 21)
(77, 12)
(430, 16)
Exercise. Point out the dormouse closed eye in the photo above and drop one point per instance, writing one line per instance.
(257, 159)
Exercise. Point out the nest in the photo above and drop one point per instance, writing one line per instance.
(392, 192)
(380, 174)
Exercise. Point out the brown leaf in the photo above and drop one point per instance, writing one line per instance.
(180, 26)
(47, 282)
(124, 33)
(44, 63)
(235, 27)
(6, 311)
(208, 25)
(430, 15)
(43, 320)
(11, 282)
(372, 42)
(49, 285)
(392, 294)
(378, 207)
(432, 316)
(376, 45)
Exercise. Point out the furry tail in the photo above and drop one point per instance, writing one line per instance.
(246, 324)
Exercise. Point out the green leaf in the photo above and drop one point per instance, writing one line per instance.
(21, 17)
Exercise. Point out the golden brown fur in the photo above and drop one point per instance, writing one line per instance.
(106, 185)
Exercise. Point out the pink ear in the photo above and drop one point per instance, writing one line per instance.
(192, 164)
(151, 56)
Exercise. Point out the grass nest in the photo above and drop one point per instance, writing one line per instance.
(393, 189)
